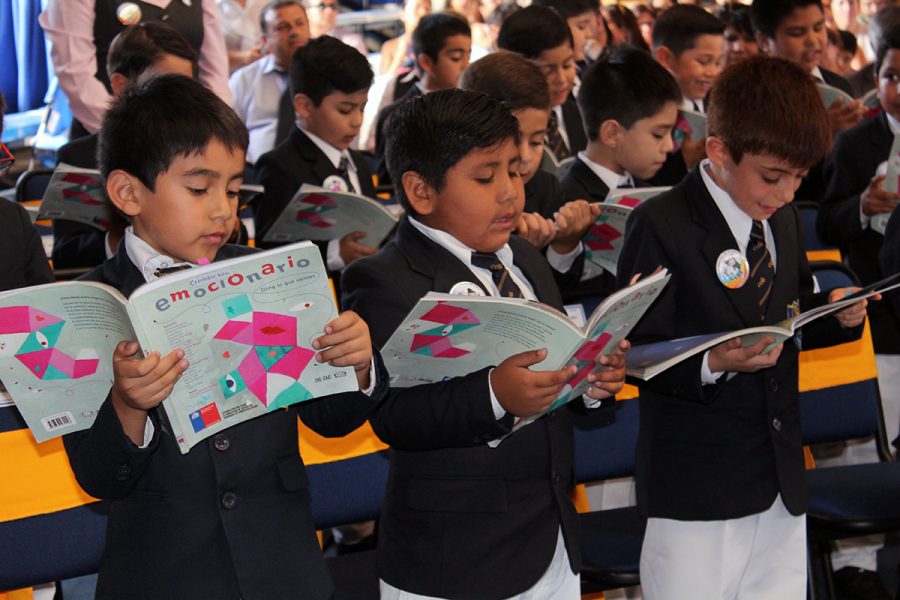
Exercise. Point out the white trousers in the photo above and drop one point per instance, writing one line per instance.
(754, 557)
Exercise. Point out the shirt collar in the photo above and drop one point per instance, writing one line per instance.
(893, 123)
(456, 247)
(268, 65)
(145, 258)
(739, 222)
(332, 153)
(688, 104)
(612, 179)
(816, 73)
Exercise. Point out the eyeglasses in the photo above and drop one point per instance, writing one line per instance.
(325, 6)
(6, 159)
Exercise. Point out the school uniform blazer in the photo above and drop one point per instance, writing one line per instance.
(851, 166)
(543, 194)
(289, 165)
(22, 258)
(721, 451)
(574, 125)
(228, 520)
(461, 519)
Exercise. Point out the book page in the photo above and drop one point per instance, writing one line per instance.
(604, 240)
(246, 326)
(448, 336)
(317, 214)
(690, 125)
(632, 197)
(77, 195)
(56, 347)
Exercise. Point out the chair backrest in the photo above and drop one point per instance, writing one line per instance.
(809, 212)
(604, 449)
(32, 184)
(348, 491)
(849, 406)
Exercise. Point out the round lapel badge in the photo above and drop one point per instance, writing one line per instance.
(335, 183)
(128, 14)
(732, 269)
(466, 288)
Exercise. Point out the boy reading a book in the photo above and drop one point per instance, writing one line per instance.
(138, 52)
(461, 518)
(538, 33)
(231, 518)
(330, 84)
(720, 457)
(689, 42)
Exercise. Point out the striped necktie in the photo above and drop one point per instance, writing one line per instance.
(499, 273)
(555, 140)
(762, 269)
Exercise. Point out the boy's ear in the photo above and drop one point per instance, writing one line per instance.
(426, 65)
(121, 187)
(665, 57)
(717, 151)
(117, 82)
(420, 194)
(766, 44)
(611, 133)
(303, 105)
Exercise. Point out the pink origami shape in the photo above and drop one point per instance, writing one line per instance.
(320, 200)
(24, 319)
(313, 219)
(39, 361)
(265, 329)
(601, 237)
(450, 315)
(438, 345)
(586, 355)
(628, 201)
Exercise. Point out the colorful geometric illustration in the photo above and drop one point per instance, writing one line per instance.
(312, 216)
(601, 235)
(435, 342)
(82, 188)
(274, 364)
(629, 201)
(34, 334)
(204, 417)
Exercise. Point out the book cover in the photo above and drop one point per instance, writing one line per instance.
(315, 213)
(633, 197)
(831, 94)
(78, 195)
(690, 125)
(553, 165)
(246, 326)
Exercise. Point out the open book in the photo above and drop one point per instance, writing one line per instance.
(831, 94)
(648, 360)
(246, 326)
(604, 240)
(690, 125)
(315, 213)
(446, 336)
(553, 165)
(871, 103)
(76, 194)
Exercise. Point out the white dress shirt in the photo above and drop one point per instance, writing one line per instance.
(610, 178)
(257, 90)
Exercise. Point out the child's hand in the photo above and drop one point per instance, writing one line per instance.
(854, 314)
(609, 379)
(347, 343)
(140, 384)
(351, 249)
(523, 392)
(875, 200)
(843, 115)
(572, 221)
(536, 230)
(693, 152)
(729, 356)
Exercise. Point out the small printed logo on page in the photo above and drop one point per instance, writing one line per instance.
(58, 421)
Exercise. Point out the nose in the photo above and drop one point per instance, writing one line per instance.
(223, 206)
(508, 191)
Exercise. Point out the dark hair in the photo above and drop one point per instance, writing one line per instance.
(568, 8)
(890, 40)
(429, 134)
(431, 33)
(499, 14)
(138, 47)
(767, 15)
(884, 20)
(767, 105)
(847, 41)
(326, 64)
(165, 117)
(737, 16)
(273, 6)
(510, 78)
(534, 30)
(627, 87)
(626, 21)
(679, 27)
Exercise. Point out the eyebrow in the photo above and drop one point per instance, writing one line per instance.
(202, 172)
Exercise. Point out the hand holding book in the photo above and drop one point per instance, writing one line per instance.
(525, 393)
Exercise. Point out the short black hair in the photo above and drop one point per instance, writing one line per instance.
(325, 65)
(890, 40)
(167, 116)
(136, 48)
(534, 30)
(737, 16)
(569, 8)
(767, 15)
(273, 6)
(510, 78)
(626, 87)
(429, 134)
(679, 27)
(431, 33)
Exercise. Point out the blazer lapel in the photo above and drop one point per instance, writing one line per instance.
(596, 189)
(322, 167)
(784, 289)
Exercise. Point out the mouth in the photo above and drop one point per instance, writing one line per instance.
(216, 238)
(507, 221)
(768, 210)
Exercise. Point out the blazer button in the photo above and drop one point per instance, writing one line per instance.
(551, 415)
(773, 384)
(229, 500)
(555, 476)
(776, 424)
(123, 472)
(221, 442)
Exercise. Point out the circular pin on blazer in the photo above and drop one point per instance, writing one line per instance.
(335, 183)
(128, 13)
(732, 269)
(466, 288)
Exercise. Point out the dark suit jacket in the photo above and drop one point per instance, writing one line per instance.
(292, 163)
(22, 258)
(384, 177)
(574, 125)
(722, 451)
(461, 519)
(169, 533)
(848, 171)
(862, 81)
(543, 194)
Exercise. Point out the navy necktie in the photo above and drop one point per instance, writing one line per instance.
(762, 269)
(499, 273)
